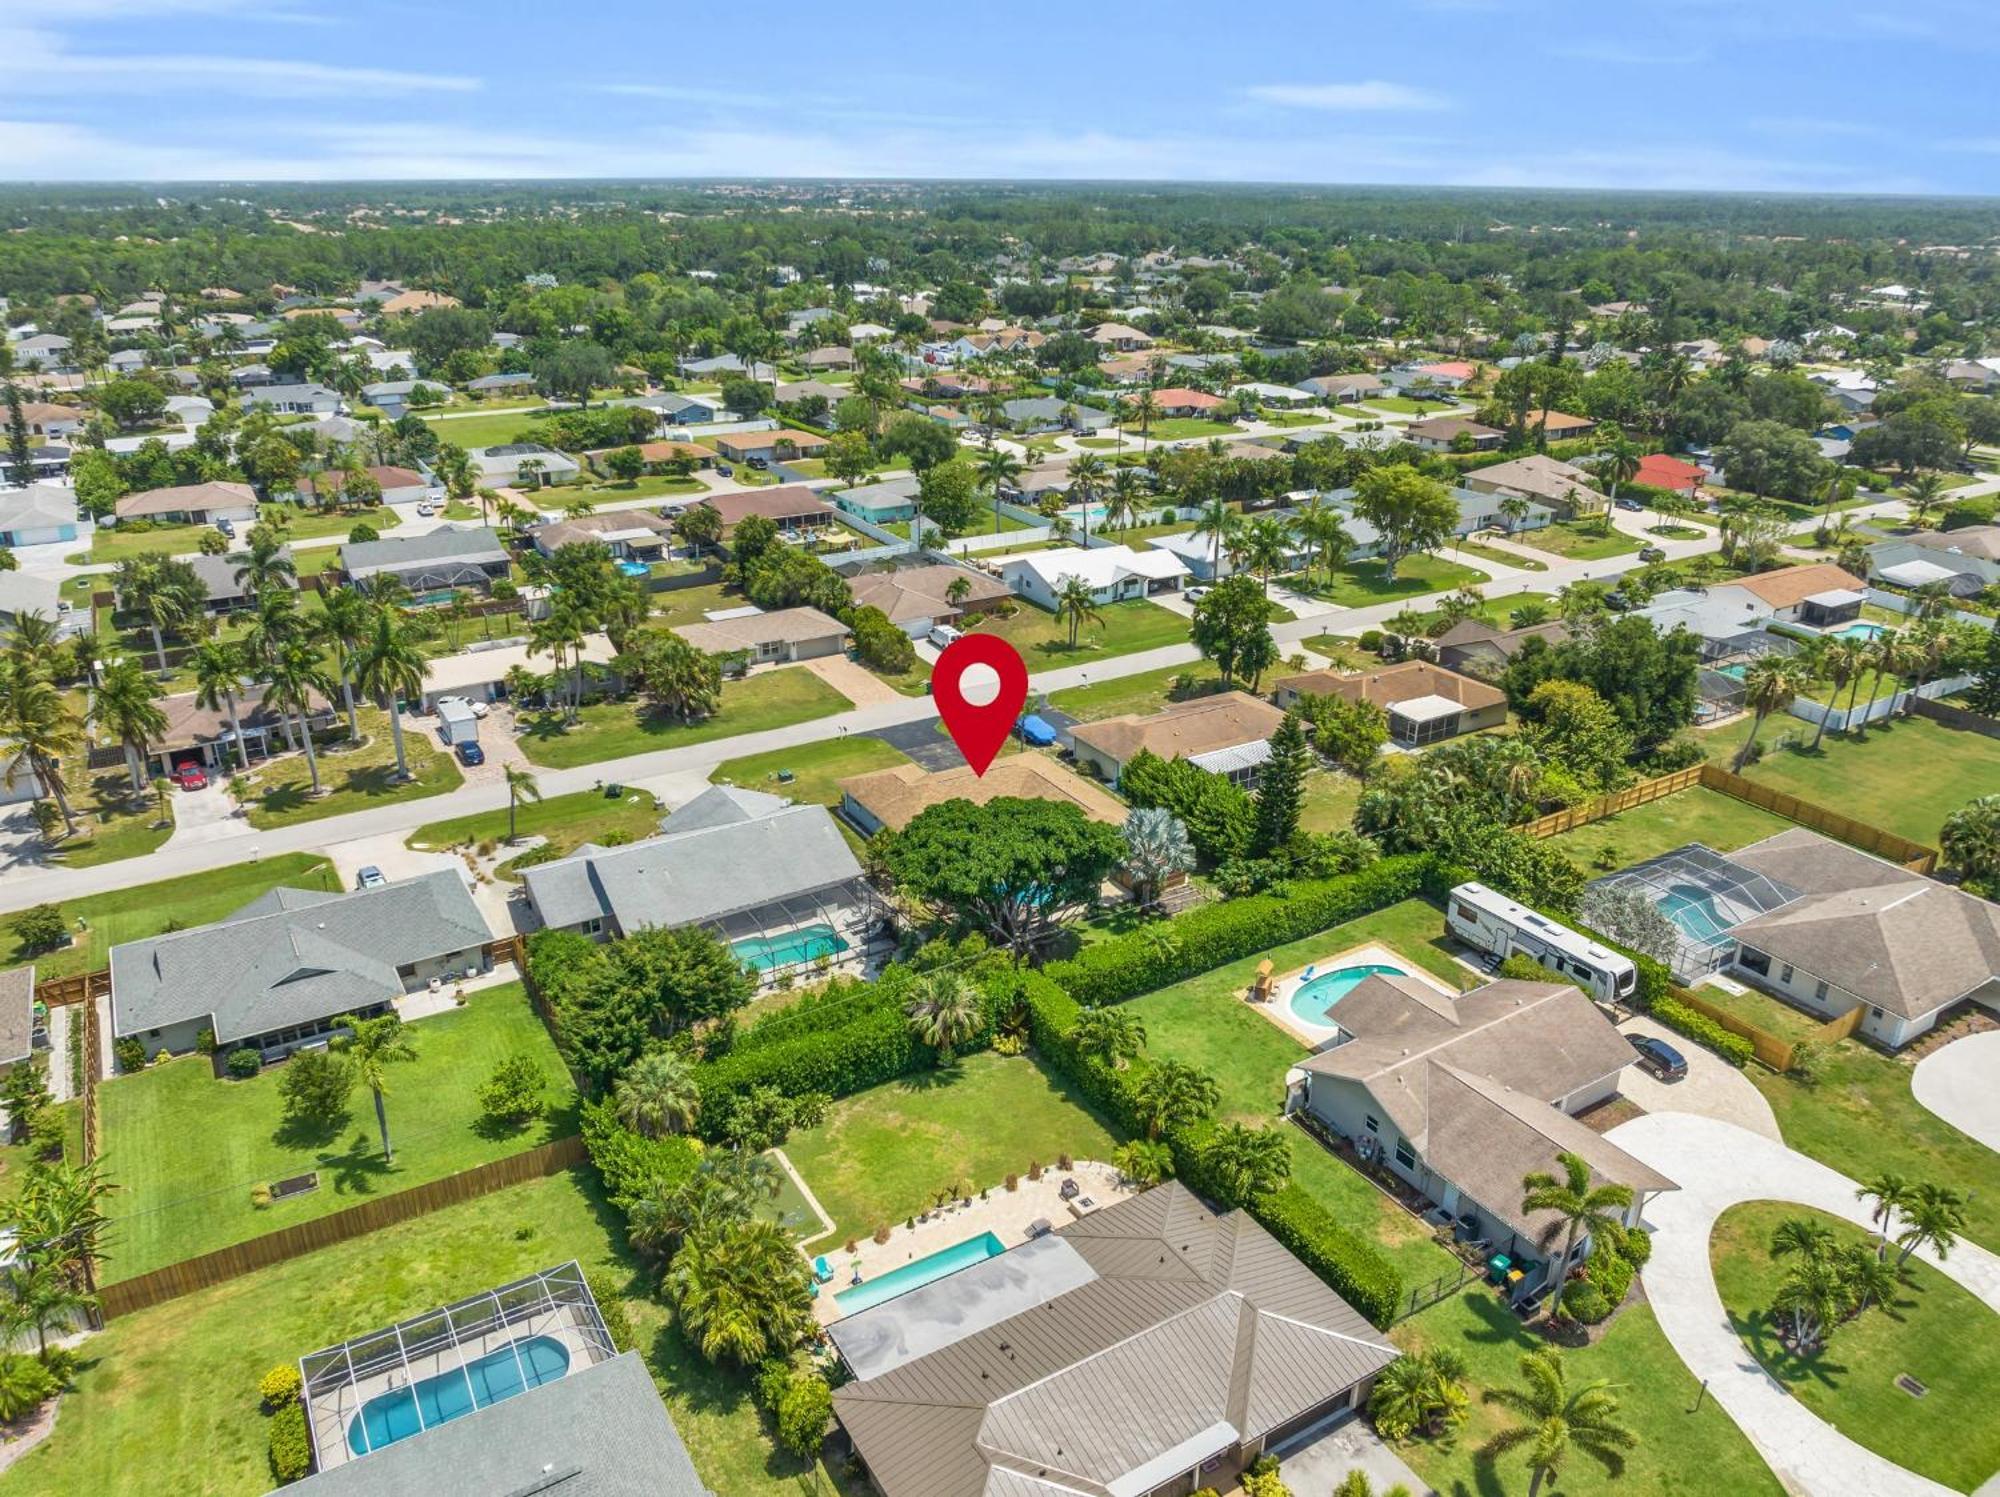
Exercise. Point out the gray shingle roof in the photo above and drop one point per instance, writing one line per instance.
(471, 545)
(292, 956)
(599, 1432)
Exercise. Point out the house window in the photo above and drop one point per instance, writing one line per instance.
(1752, 960)
(1368, 1122)
(1820, 991)
(593, 927)
(1785, 974)
(1405, 1155)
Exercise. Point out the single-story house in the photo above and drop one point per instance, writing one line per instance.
(450, 556)
(634, 533)
(411, 302)
(19, 1027)
(254, 376)
(1425, 703)
(1475, 647)
(1285, 397)
(1041, 413)
(481, 675)
(218, 576)
(1119, 335)
(493, 384)
(753, 868)
(277, 974)
(741, 446)
(525, 464)
(293, 400)
(657, 455)
(37, 515)
(894, 797)
(399, 485)
(781, 636)
(1448, 375)
(1142, 1350)
(1906, 564)
(795, 509)
(48, 353)
(206, 736)
(1659, 471)
(723, 365)
(1206, 562)
(1176, 402)
(24, 593)
(917, 598)
(55, 422)
(1563, 487)
(810, 389)
(1344, 389)
(682, 410)
(1228, 734)
(191, 504)
(1462, 1096)
(1560, 426)
(834, 356)
(1444, 433)
(1865, 932)
(881, 503)
(1817, 594)
(1113, 573)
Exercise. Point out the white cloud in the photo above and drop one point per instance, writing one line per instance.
(40, 63)
(1375, 94)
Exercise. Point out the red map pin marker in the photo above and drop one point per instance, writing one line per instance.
(979, 728)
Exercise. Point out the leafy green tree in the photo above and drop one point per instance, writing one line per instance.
(1767, 458)
(572, 370)
(515, 1091)
(314, 1087)
(658, 1095)
(948, 497)
(625, 463)
(1172, 1094)
(1652, 681)
(1232, 628)
(673, 674)
(1580, 733)
(1412, 513)
(1351, 733)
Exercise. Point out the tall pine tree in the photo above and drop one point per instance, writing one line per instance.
(20, 451)
(1281, 788)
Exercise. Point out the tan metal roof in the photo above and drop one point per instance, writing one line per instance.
(1396, 683)
(1185, 729)
(781, 626)
(895, 796)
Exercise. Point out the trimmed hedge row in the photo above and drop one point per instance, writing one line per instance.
(1215, 934)
(1346, 1261)
(1731, 1046)
(630, 1162)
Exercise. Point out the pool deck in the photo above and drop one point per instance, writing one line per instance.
(1007, 1214)
(1368, 954)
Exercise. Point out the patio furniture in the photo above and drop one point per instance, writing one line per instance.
(1040, 1227)
(822, 1270)
(1069, 1190)
(1260, 987)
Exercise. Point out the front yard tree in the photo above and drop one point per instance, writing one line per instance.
(1579, 1207)
(376, 1045)
(521, 785)
(625, 463)
(1232, 628)
(126, 706)
(1281, 787)
(1767, 457)
(673, 674)
(1556, 1420)
(572, 370)
(1015, 869)
(1411, 512)
(392, 670)
(1076, 602)
(1423, 1393)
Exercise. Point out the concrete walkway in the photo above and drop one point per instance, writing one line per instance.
(1961, 1084)
(1718, 1166)
(1712, 1088)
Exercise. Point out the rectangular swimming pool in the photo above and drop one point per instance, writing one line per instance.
(807, 943)
(925, 1270)
(514, 1368)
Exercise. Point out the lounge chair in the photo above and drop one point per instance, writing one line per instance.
(822, 1270)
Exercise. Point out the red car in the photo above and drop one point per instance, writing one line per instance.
(191, 777)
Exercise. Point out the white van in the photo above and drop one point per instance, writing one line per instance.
(944, 634)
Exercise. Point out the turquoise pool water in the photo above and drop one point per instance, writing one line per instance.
(1693, 910)
(515, 1368)
(1859, 631)
(926, 1270)
(634, 568)
(805, 944)
(1314, 998)
(1735, 670)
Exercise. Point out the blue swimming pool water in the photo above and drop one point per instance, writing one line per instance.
(1314, 998)
(1859, 631)
(634, 568)
(1693, 910)
(926, 1270)
(1737, 670)
(514, 1368)
(805, 944)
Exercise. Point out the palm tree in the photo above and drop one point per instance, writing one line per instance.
(1869, 1279)
(1157, 846)
(266, 564)
(297, 681)
(1247, 1163)
(1122, 507)
(1076, 602)
(997, 467)
(39, 730)
(741, 1292)
(218, 675)
(1801, 1237)
(376, 1045)
(1924, 491)
(43, 1295)
(1514, 510)
(1933, 1219)
(1143, 1162)
(1579, 1207)
(1844, 662)
(145, 585)
(1111, 1035)
(1267, 545)
(1555, 1420)
(1423, 1393)
(1146, 407)
(1319, 526)
(346, 621)
(126, 705)
(944, 1012)
(1618, 459)
(61, 1215)
(1086, 477)
(1172, 1094)
(392, 669)
(1891, 1194)
(1769, 684)
(657, 1096)
(521, 786)
(1970, 839)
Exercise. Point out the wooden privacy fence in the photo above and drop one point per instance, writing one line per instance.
(1769, 1048)
(218, 1267)
(1643, 793)
(1961, 718)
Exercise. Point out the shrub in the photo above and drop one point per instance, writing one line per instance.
(1371, 640)
(280, 1385)
(630, 1162)
(291, 1450)
(1732, 1047)
(244, 1063)
(768, 1385)
(611, 1308)
(39, 929)
(514, 1092)
(1584, 1301)
(1611, 1274)
(205, 1042)
(362, 531)
(803, 1412)
(1264, 1484)
(24, 1384)
(130, 1052)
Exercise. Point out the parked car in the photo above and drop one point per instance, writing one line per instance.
(470, 754)
(723, 470)
(1632, 504)
(758, 463)
(226, 526)
(1657, 1056)
(1195, 594)
(477, 708)
(190, 776)
(943, 634)
(1651, 554)
(425, 507)
(369, 878)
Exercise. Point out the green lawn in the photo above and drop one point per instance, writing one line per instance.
(1331, 796)
(185, 1148)
(1682, 1452)
(1494, 554)
(1178, 428)
(1579, 540)
(1767, 1013)
(166, 1404)
(1695, 815)
(1402, 405)
(122, 541)
(1205, 1022)
(1933, 1330)
(1121, 629)
(882, 1155)
(303, 524)
(144, 910)
(565, 822)
(487, 429)
(1360, 583)
(112, 826)
(816, 768)
(614, 730)
(1905, 776)
(279, 792)
(1148, 691)
(653, 485)
(687, 605)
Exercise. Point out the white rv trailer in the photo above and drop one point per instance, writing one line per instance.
(1494, 923)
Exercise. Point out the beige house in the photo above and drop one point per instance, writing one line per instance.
(1425, 703)
(779, 637)
(916, 598)
(1226, 734)
(894, 797)
(191, 504)
(1475, 647)
(792, 507)
(1563, 487)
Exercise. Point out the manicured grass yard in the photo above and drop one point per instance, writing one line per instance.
(1694, 815)
(1477, 552)
(1933, 1330)
(1579, 540)
(687, 605)
(565, 822)
(167, 1400)
(186, 1148)
(1178, 428)
(487, 429)
(1360, 583)
(1043, 639)
(816, 768)
(279, 792)
(1205, 1023)
(147, 909)
(1905, 776)
(613, 730)
(1761, 1009)
(652, 485)
(1147, 691)
(881, 1155)
(1681, 1452)
(120, 542)
(1331, 796)
(111, 825)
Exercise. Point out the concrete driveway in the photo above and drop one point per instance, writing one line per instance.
(1712, 1087)
(1961, 1084)
(1318, 1466)
(923, 742)
(1717, 1166)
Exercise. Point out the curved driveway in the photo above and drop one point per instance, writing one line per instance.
(1961, 1084)
(1719, 1165)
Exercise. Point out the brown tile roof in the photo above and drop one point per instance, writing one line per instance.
(747, 441)
(909, 593)
(1175, 395)
(1468, 632)
(189, 723)
(332, 480)
(1186, 729)
(1790, 586)
(1396, 683)
(895, 796)
(659, 452)
(418, 301)
(785, 502)
(191, 496)
(1538, 476)
(781, 626)
(1555, 423)
(1444, 428)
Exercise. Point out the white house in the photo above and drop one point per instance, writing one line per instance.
(1113, 573)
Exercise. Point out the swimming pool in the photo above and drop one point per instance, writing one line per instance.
(925, 1270)
(1314, 998)
(514, 1368)
(1859, 631)
(635, 569)
(807, 943)
(1693, 910)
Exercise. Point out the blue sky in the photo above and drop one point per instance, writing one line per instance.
(1737, 95)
